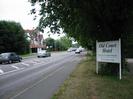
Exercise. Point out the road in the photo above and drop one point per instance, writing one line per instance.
(36, 78)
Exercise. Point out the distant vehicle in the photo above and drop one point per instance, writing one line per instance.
(9, 57)
(43, 53)
(81, 49)
(71, 49)
(77, 51)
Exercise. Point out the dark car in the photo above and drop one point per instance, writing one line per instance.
(9, 57)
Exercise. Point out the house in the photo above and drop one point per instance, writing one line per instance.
(36, 40)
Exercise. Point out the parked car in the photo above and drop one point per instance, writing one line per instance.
(9, 57)
(43, 53)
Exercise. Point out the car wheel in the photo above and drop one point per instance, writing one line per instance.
(20, 60)
(9, 61)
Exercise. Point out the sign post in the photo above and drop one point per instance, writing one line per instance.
(96, 58)
(120, 58)
(110, 52)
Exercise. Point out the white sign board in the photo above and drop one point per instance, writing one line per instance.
(108, 51)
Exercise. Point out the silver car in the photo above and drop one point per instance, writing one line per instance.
(43, 53)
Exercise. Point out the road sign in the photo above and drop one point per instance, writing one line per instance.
(110, 52)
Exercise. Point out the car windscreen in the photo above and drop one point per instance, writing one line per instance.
(42, 52)
(4, 54)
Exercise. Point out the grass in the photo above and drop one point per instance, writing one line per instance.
(26, 55)
(83, 83)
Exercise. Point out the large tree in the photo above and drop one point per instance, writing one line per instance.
(61, 44)
(50, 43)
(88, 20)
(13, 38)
(95, 19)
(66, 42)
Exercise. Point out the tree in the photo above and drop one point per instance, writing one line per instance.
(49, 43)
(13, 38)
(129, 46)
(58, 45)
(66, 42)
(88, 20)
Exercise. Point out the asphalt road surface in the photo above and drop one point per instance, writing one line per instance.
(36, 78)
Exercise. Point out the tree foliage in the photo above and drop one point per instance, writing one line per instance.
(66, 42)
(49, 42)
(58, 45)
(89, 19)
(13, 38)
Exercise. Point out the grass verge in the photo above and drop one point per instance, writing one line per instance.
(83, 83)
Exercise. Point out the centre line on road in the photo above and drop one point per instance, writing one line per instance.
(1, 71)
(26, 89)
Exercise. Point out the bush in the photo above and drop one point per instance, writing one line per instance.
(13, 38)
(108, 69)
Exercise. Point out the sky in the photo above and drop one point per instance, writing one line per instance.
(18, 11)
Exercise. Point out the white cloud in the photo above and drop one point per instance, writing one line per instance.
(17, 10)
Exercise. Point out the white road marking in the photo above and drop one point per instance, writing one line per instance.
(11, 71)
(1, 71)
(25, 64)
(15, 67)
(26, 89)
